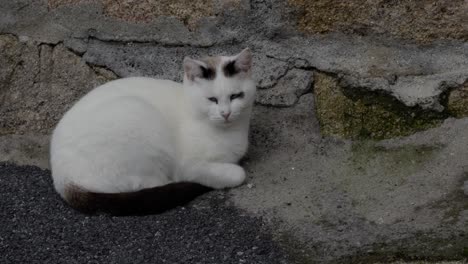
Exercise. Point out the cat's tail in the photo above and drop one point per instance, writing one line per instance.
(146, 201)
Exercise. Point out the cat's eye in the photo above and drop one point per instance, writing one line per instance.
(213, 99)
(237, 95)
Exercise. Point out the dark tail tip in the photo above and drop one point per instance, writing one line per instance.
(143, 202)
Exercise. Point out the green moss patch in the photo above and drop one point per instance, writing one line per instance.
(457, 104)
(359, 114)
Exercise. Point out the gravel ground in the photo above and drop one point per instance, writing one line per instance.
(37, 227)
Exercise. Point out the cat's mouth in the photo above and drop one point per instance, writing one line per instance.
(226, 123)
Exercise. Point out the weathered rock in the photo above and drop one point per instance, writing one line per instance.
(458, 102)
(267, 71)
(414, 75)
(40, 83)
(288, 89)
(7, 57)
(189, 12)
(144, 11)
(168, 22)
(360, 114)
(135, 59)
(422, 21)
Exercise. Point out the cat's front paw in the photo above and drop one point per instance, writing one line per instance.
(216, 175)
(234, 176)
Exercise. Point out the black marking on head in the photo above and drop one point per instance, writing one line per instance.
(213, 99)
(230, 69)
(207, 73)
(237, 95)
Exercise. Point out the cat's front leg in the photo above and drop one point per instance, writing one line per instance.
(215, 175)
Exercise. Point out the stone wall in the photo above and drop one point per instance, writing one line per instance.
(39, 83)
(419, 85)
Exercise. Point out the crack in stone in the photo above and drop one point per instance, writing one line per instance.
(139, 41)
(275, 105)
(90, 64)
(275, 81)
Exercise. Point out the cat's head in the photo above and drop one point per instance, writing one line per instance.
(220, 88)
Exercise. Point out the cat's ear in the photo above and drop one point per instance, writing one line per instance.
(197, 69)
(242, 62)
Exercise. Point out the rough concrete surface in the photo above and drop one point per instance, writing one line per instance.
(358, 141)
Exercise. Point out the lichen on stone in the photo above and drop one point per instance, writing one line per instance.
(423, 21)
(187, 11)
(353, 113)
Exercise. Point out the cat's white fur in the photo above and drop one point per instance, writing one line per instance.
(136, 133)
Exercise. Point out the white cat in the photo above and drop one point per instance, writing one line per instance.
(120, 143)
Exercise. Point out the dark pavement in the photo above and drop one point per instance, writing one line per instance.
(37, 227)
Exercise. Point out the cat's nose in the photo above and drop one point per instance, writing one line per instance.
(226, 115)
